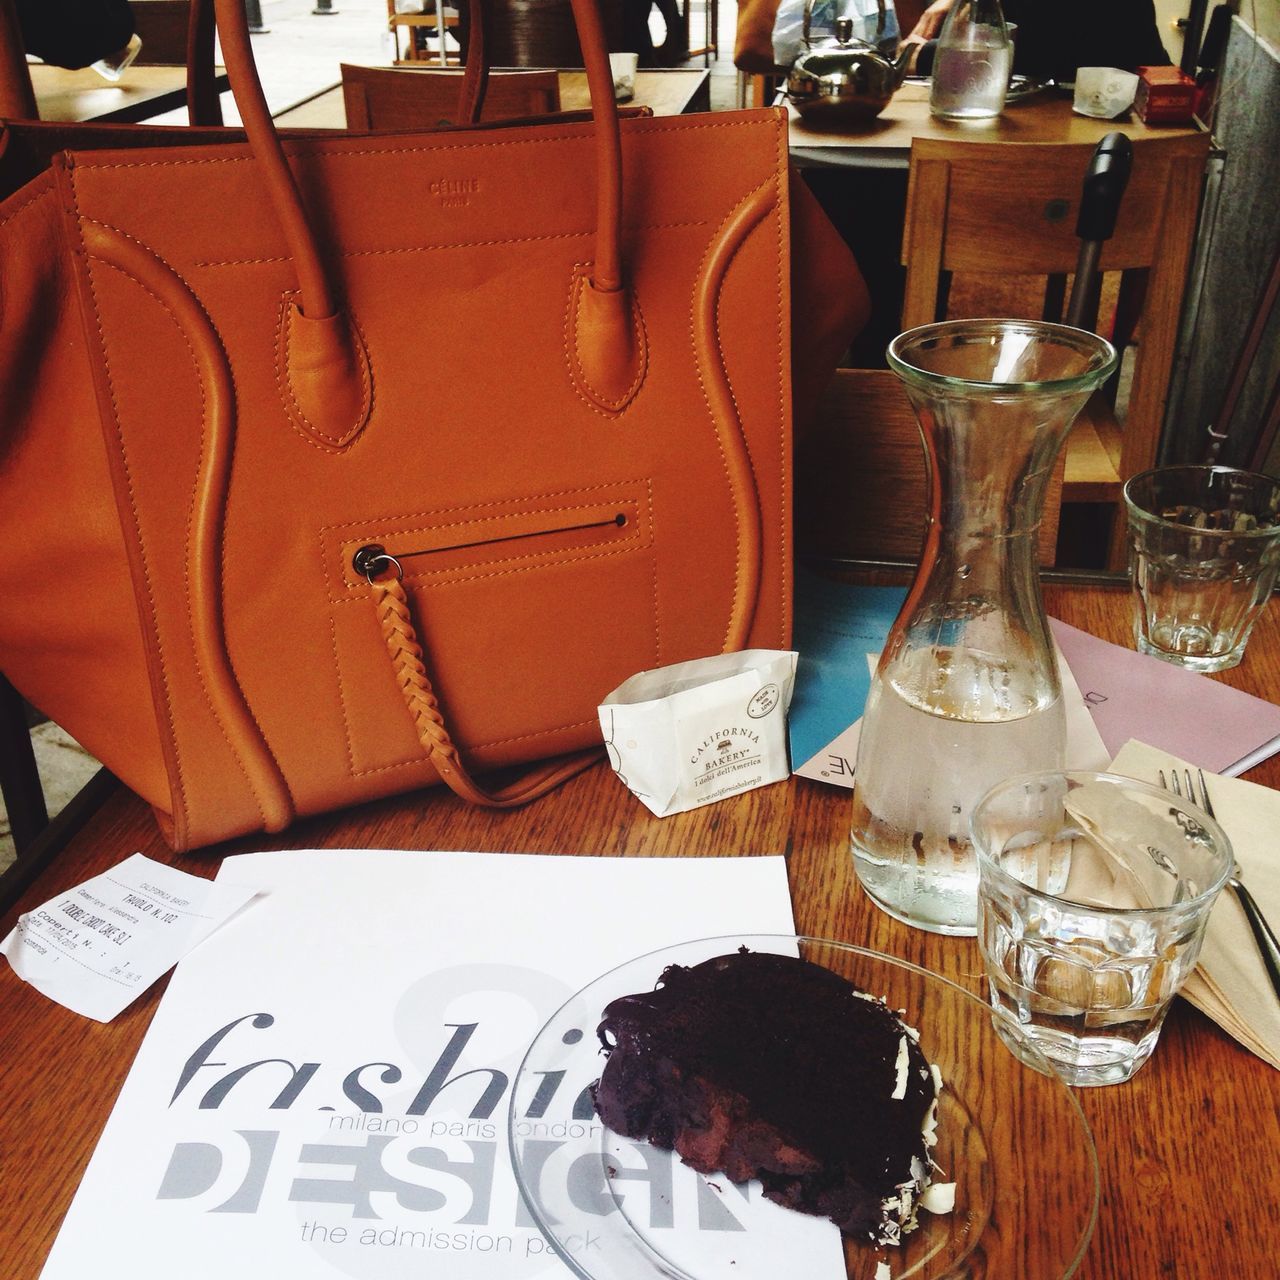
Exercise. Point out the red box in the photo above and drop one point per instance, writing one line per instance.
(1166, 95)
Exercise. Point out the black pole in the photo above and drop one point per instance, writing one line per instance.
(323, 8)
(1192, 34)
(253, 11)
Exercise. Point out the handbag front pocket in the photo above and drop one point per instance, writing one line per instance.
(528, 612)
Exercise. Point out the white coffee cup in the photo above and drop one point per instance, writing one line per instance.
(623, 67)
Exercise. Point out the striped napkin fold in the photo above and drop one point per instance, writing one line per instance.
(1230, 984)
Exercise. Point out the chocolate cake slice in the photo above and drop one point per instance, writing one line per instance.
(770, 1067)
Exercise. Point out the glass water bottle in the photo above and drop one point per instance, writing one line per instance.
(967, 691)
(972, 63)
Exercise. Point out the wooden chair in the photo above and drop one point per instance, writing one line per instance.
(861, 485)
(162, 26)
(423, 42)
(1001, 209)
(403, 98)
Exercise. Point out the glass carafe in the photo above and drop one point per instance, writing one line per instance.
(967, 691)
(972, 63)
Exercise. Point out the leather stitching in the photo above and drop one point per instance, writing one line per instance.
(186, 567)
(181, 796)
(551, 559)
(230, 498)
(702, 386)
(343, 148)
(784, 388)
(653, 574)
(518, 568)
(420, 761)
(293, 409)
(446, 245)
(523, 507)
(522, 500)
(577, 374)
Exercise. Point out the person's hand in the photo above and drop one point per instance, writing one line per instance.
(930, 23)
(926, 29)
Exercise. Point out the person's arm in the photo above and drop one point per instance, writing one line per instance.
(930, 23)
(924, 33)
(74, 33)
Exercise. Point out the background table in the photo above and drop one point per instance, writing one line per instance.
(84, 95)
(1187, 1149)
(669, 92)
(885, 142)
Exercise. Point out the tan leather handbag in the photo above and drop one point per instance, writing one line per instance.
(321, 456)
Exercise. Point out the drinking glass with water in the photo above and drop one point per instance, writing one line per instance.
(1094, 894)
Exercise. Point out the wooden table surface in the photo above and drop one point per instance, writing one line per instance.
(885, 142)
(670, 92)
(1187, 1149)
(143, 92)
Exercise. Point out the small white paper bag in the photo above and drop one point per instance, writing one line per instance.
(689, 734)
(1104, 92)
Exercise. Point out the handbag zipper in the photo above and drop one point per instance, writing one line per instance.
(373, 558)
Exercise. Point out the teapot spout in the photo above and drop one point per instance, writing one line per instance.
(902, 64)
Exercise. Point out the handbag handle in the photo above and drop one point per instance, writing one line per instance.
(204, 106)
(325, 363)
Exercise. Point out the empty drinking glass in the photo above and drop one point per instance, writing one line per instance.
(1204, 548)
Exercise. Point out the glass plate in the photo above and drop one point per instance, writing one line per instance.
(1013, 1140)
(1021, 88)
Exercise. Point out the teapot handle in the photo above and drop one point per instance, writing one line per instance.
(882, 22)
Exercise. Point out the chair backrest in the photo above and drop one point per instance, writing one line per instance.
(162, 26)
(1003, 209)
(406, 98)
(862, 490)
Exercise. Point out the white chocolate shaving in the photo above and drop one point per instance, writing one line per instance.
(939, 1197)
(900, 1067)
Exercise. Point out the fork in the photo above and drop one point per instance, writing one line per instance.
(1263, 934)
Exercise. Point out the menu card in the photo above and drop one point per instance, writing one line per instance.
(1133, 695)
(1111, 693)
(324, 1088)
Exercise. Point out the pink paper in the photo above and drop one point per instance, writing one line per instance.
(1202, 721)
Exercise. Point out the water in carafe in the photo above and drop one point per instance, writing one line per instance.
(945, 727)
(973, 62)
(970, 83)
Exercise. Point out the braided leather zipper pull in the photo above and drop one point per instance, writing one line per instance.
(411, 673)
(407, 661)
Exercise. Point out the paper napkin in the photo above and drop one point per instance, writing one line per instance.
(1230, 984)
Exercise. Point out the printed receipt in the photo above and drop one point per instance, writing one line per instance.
(100, 945)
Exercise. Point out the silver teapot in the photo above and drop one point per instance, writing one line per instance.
(842, 82)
